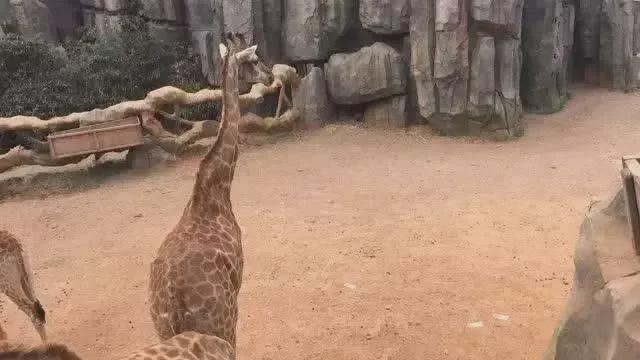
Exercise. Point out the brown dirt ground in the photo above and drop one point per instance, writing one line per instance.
(360, 244)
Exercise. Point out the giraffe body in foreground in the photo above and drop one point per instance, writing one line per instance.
(197, 274)
(185, 346)
(16, 282)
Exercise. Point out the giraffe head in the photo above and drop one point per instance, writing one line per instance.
(251, 69)
(43, 352)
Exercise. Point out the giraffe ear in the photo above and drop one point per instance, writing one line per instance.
(249, 54)
(223, 51)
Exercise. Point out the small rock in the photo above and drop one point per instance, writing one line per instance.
(475, 325)
(350, 286)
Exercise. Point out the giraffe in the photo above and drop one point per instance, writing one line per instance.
(185, 346)
(16, 282)
(197, 274)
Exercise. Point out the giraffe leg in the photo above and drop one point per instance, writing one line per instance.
(280, 101)
(3, 335)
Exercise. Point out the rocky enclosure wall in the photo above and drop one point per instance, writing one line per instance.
(464, 66)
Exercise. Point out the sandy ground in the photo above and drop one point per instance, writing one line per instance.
(360, 244)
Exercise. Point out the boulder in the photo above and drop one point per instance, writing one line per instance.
(267, 25)
(113, 5)
(272, 30)
(616, 43)
(33, 19)
(482, 87)
(505, 15)
(589, 30)
(167, 32)
(372, 73)
(387, 113)
(312, 27)
(508, 63)
(147, 156)
(422, 39)
(350, 115)
(239, 18)
(601, 317)
(204, 18)
(312, 100)
(451, 64)
(545, 55)
(385, 16)
(161, 10)
(448, 14)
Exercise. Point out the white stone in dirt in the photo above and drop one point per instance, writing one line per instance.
(387, 113)
(385, 16)
(312, 100)
(311, 28)
(374, 72)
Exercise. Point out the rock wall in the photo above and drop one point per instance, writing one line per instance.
(601, 317)
(464, 66)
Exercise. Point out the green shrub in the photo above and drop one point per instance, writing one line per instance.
(43, 80)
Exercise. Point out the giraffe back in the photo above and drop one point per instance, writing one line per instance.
(187, 346)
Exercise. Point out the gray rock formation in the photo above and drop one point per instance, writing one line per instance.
(588, 28)
(505, 15)
(482, 87)
(268, 25)
(451, 59)
(385, 16)
(467, 75)
(422, 39)
(387, 113)
(205, 20)
(373, 73)
(617, 43)
(239, 18)
(601, 317)
(312, 100)
(464, 59)
(162, 10)
(311, 27)
(547, 44)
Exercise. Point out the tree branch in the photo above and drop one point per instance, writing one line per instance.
(156, 100)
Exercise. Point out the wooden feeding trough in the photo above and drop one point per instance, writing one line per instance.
(631, 183)
(114, 135)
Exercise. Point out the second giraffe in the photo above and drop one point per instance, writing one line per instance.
(197, 274)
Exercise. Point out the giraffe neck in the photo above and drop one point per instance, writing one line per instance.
(213, 181)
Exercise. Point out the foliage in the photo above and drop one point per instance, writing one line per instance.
(90, 72)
